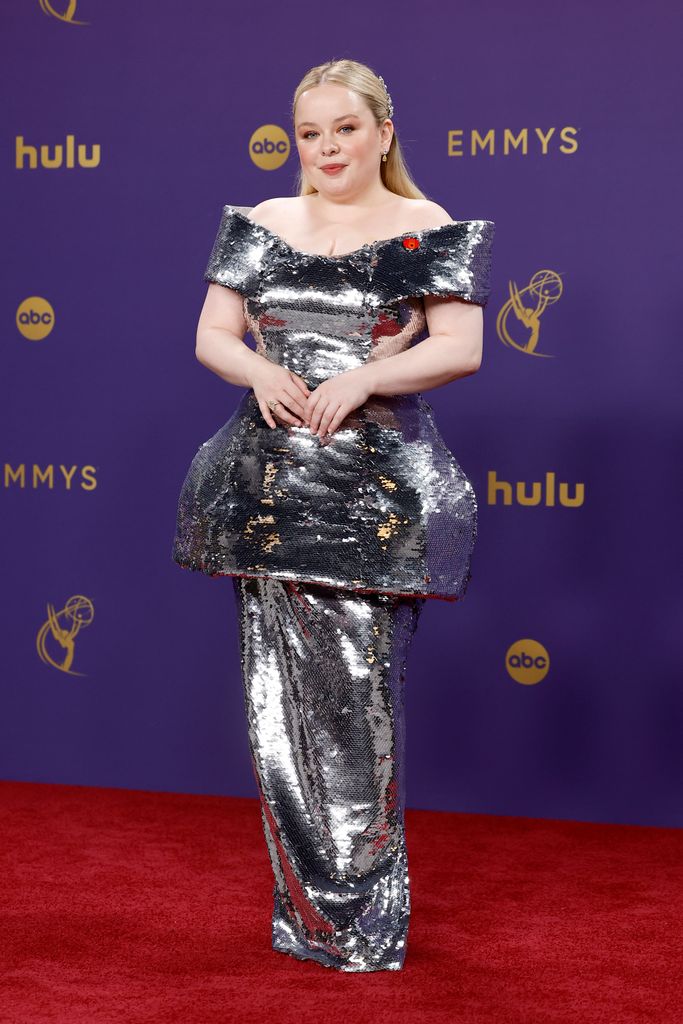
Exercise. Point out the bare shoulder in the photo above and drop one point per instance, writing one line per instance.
(270, 211)
(279, 214)
(424, 213)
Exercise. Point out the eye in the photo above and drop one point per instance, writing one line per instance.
(349, 126)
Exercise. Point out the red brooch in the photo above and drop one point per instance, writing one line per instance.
(411, 243)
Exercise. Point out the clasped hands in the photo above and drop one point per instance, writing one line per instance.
(321, 409)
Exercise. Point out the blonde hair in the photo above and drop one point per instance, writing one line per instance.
(362, 80)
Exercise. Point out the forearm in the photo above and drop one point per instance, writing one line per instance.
(429, 364)
(227, 356)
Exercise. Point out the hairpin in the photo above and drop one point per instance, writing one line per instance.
(390, 105)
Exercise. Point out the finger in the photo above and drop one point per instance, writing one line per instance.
(295, 403)
(282, 412)
(295, 406)
(301, 384)
(326, 419)
(266, 414)
(336, 419)
(299, 381)
(325, 423)
(316, 416)
(314, 399)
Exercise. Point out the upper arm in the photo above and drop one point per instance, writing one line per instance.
(234, 270)
(450, 315)
(460, 320)
(223, 307)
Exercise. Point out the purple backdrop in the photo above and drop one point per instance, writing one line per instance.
(104, 413)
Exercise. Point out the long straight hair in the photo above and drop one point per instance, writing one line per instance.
(362, 80)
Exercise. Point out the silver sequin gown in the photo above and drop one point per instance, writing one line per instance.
(334, 544)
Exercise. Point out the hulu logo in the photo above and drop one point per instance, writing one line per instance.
(537, 492)
(60, 155)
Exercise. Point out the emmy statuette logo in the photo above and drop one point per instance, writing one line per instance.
(520, 316)
(67, 15)
(56, 639)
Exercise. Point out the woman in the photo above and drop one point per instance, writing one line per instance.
(331, 499)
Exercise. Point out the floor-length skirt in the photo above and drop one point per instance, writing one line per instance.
(324, 676)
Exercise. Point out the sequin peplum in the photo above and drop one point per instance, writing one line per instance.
(381, 505)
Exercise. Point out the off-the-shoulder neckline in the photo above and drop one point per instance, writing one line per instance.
(369, 246)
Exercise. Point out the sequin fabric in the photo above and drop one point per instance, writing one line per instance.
(381, 505)
(324, 677)
(334, 544)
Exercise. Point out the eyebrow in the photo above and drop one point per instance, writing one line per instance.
(344, 117)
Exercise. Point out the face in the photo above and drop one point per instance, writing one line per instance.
(333, 125)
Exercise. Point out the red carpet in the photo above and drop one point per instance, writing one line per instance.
(129, 906)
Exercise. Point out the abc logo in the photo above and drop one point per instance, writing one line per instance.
(527, 661)
(269, 147)
(35, 318)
